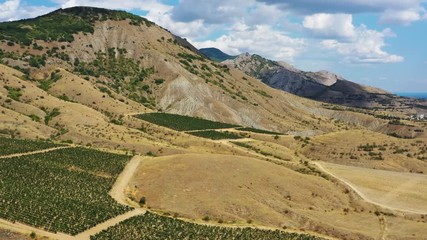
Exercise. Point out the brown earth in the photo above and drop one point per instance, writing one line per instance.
(240, 189)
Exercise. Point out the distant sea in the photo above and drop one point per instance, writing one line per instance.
(413, 95)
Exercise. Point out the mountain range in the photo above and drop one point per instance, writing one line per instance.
(321, 86)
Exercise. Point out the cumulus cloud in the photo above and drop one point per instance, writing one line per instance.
(9, 9)
(355, 44)
(211, 11)
(403, 17)
(194, 29)
(156, 11)
(330, 25)
(261, 39)
(391, 11)
(259, 26)
(225, 12)
(365, 47)
(14, 10)
(342, 6)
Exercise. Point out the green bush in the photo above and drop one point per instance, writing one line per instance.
(263, 93)
(51, 114)
(13, 93)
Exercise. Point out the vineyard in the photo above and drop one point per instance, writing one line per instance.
(152, 227)
(11, 146)
(60, 191)
(182, 123)
(215, 135)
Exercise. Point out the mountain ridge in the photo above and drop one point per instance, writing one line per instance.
(322, 86)
(216, 54)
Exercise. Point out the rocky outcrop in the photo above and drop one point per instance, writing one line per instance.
(322, 86)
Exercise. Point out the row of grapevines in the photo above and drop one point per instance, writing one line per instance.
(11, 145)
(151, 226)
(182, 123)
(60, 191)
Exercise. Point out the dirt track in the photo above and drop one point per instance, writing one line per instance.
(118, 190)
(389, 197)
(34, 152)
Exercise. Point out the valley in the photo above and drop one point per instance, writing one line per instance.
(110, 125)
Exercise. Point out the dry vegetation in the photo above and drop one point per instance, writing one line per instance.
(394, 190)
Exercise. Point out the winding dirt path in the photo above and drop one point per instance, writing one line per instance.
(211, 129)
(34, 152)
(118, 190)
(362, 195)
(383, 227)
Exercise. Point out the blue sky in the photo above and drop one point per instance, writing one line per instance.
(374, 42)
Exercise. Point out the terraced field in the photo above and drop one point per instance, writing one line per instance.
(11, 146)
(60, 191)
(152, 226)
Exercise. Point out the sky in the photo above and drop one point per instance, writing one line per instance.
(381, 43)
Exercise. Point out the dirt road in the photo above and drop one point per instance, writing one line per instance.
(367, 198)
(118, 190)
(34, 152)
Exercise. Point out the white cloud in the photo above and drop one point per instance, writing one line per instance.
(261, 39)
(366, 47)
(9, 9)
(330, 25)
(218, 12)
(193, 29)
(355, 44)
(343, 6)
(211, 11)
(158, 12)
(401, 17)
(14, 10)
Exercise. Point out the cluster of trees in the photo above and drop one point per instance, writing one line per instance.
(127, 75)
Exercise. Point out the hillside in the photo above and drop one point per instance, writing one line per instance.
(94, 87)
(215, 54)
(321, 86)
